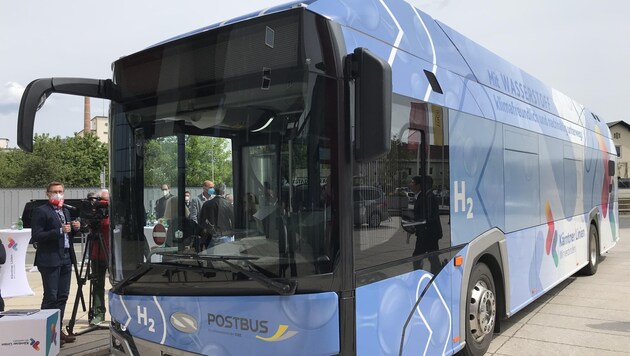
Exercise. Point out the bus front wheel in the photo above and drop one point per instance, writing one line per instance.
(481, 311)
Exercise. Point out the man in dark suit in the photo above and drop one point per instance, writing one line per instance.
(160, 204)
(426, 209)
(52, 232)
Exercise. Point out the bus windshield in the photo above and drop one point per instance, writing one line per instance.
(258, 129)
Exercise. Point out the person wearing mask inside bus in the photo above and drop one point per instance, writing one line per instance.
(198, 201)
(160, 204)
(99, 256)
(52, 232)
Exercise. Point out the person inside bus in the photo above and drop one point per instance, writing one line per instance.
(198, 201)
(187, 200)
(426, 209)
(216, 219)
(250, 206)
(172, 207)
(268, 197)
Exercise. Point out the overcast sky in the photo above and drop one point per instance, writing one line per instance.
(580, 47)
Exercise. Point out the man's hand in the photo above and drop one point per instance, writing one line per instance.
(76, 225)
(66, 228)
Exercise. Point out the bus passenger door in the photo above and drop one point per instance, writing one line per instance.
(403, 297)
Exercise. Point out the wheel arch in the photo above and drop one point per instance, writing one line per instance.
(489, 248)
(594, 219)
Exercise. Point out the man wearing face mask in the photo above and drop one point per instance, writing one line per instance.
(187, 199)
(53, 231)
(160, 204)
(197, 202)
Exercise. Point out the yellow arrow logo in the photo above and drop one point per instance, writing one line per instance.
(280, 335)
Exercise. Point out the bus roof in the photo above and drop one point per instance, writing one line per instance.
(394, 29)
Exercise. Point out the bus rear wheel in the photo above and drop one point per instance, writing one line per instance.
(481, 311)
(593, 252)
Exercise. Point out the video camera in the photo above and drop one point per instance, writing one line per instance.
(94, 210)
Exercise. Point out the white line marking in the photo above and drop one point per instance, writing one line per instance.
(163, 319)
(392, 54)
(434, 69)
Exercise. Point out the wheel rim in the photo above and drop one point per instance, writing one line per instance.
(482, 310)
(375, 219)
(593, 250)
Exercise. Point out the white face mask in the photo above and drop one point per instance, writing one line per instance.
(165, 192)
(187, 198)
(58, 196)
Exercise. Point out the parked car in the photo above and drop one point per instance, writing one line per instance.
(370, 206)
(623, 188)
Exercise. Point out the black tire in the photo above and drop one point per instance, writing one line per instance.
(374, 219)
(593, 252)
(481, 311)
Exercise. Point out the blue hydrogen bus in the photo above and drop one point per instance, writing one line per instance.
(397, 188)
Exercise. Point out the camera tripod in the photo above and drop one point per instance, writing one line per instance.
(84, 274)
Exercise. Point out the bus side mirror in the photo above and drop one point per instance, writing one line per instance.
(38, 90)
(373, 105)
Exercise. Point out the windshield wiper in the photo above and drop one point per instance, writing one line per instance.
(141, 271)
(196, 257)
(146, 267)
(281, 286)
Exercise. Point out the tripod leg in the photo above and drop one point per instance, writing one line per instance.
(73, 258)
(80, 282)
(97, 287)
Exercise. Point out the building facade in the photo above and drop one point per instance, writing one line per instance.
(99, 128)
(620, 131)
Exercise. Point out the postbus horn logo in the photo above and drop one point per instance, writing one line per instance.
(280, 335)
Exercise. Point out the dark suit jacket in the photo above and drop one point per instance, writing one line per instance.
(46, 232)
(217, 216)
(433, 228)
(160, 206)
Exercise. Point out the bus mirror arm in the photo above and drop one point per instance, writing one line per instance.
(38, 90)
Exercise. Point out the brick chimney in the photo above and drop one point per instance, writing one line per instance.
(87, 128)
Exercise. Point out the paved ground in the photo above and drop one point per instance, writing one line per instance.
(582, 316)
(93, 342)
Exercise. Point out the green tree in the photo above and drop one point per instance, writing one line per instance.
(84, 158)
(75, 161)
(206, 158)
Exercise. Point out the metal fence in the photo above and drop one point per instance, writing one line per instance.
(13, 201)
